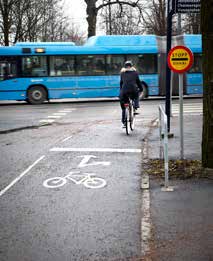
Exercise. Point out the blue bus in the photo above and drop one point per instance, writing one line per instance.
(194, 77)
(36, 72)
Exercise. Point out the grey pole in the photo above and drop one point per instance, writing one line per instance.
(181, 115)
(179, 23)
(171, 86)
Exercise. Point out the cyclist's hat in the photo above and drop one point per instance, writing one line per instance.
(128, 64)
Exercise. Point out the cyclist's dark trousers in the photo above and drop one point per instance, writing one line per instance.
(124, 98)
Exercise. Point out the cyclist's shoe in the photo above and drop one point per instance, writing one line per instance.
(123, 124)
(135, 112)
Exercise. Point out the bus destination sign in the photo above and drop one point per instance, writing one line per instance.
(180, 59)
(187, 6)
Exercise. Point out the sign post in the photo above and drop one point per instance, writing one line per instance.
(173, 7)
(180, 60)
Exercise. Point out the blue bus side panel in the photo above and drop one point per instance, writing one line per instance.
(113, 85)
(93, 86)
(12, 90)
(153, 83)
(12, 95)
(75, 87)
(72, 87)
(194, 83)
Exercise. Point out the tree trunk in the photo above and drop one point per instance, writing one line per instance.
(207, 41)
(91, 17)
(6, 29)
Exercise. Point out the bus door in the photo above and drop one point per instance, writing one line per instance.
(8, 69)
(10, 89)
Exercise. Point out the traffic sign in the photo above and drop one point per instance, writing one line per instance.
(180, 59)
(187, 6)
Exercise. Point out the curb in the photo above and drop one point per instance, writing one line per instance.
(146, 225)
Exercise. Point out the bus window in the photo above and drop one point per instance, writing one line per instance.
(115, 63)
(62, 65)
(197, 65)
(144, 63)
(8, 68)
(33, 66)
(90, 65)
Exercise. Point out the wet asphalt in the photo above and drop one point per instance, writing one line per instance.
(70, 222)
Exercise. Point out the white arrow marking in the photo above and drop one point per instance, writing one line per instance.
(86, 158)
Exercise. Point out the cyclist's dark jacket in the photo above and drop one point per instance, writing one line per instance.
(130, 83)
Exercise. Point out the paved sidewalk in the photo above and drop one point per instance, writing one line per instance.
(181, 220)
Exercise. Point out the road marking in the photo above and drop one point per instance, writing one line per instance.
(96, 150)
(20, 176)
(65, 111)
(189, 109)
(86, 158)
(66, 138)
(54, 116)
(60, 114)
(47, 120)
(187, 113)
(73, 109)
(145, 222)
(89, 180)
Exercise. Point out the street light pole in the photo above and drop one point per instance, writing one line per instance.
(168, 72)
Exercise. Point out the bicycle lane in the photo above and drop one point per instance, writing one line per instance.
(72, 222)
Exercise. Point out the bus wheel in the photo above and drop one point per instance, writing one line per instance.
(36, 95)
(145, 91)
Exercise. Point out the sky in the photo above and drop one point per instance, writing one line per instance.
(76, 10)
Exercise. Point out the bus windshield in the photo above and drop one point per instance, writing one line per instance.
(8, 68)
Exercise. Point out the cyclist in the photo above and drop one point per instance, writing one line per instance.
(130, 86)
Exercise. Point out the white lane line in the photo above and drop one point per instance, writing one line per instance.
(47, 120)
(20, 176)
(188, 113)
(66, 138)
(65, 111)
(73, 109)
(59, 114)
(189, 109)
(96, 150)
(54, 116)
(189, 104)
(145, 222)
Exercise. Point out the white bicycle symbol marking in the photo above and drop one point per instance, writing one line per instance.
(87, 179)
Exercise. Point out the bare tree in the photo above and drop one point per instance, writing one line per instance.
(72, 34)
(33, 20)
(6, 18)
(124, 21)
(154, 16)
(93, 6)
(207, 41)
(191, 24)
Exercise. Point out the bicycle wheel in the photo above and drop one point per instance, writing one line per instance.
(131, 117)
(54, 182)
(127, 120)
(94, 183)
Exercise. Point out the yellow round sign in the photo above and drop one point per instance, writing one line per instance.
(180, 59)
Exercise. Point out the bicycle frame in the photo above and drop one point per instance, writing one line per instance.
(129, 116)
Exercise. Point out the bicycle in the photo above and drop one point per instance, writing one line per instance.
(87, 179)
(129, 119)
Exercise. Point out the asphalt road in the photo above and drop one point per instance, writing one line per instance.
(69, 221)
(43, 218)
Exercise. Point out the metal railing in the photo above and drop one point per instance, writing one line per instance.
(163, 131)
